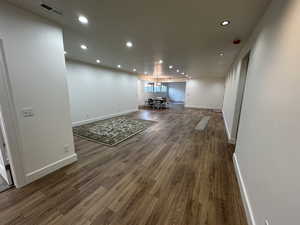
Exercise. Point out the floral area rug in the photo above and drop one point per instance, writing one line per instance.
(112, 131)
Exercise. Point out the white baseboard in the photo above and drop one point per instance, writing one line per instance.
(82, 122)
(37, 174)
(230, 139)
(201, 107)
(243, 190)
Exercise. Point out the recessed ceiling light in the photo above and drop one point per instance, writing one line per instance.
(160, 62)
(119, 66)
(221, 54)
(84, 47)
(177, 71)
(134, 70)
(182, 73)
(98, 61)
(225, 23)
(83, 20)
(170, 67)
(129, 44)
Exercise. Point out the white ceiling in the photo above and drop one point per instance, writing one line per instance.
(186, 34)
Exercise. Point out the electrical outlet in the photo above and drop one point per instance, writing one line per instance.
(66, 148)
(27, 112)
(267, 222)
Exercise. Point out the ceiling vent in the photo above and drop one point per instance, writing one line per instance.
(50, 8)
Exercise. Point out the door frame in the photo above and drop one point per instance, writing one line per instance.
(6, 175)
(243, 71)
(9, 113)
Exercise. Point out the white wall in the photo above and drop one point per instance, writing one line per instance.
(97, 93)
(230, 101)
(267, 151)
(140, 92)
(36, 67)
(206, 92)
(176, 92)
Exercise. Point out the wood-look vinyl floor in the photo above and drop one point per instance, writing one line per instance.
(170, 174)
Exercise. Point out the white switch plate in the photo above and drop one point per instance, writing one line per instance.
(27, 112)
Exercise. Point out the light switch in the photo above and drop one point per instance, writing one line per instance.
(27, 112)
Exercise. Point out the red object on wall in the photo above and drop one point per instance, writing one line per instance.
(236, 41)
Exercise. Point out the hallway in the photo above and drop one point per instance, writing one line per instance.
(168, 174)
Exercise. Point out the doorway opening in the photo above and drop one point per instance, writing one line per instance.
(176, 92)
(240, 93)
(6, 178)
(162, 95)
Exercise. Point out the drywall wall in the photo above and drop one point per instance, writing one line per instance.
(176, 91)
(96, 92)
(206, 92)
(230, 101)
(34, 54)
(267, 150)
(140, 92)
